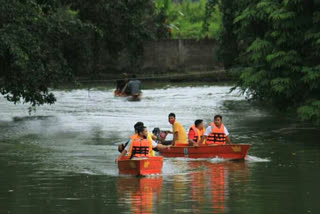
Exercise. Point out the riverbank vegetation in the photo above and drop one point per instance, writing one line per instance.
(273, 48)
(45, 42)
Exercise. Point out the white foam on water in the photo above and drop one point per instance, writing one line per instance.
(188, 159)
(250, 158)
(218, 160)
(174, 168)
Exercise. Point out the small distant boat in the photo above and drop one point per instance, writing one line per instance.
(119, 94)
(140, 166)
(135, 97)
(228, 151)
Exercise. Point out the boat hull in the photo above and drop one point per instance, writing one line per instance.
(134, 98)
(232, 151)
(140, 166)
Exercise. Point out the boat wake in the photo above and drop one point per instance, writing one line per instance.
(250, 158)
(217, 160)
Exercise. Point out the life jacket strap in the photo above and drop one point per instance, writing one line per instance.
(141, 150)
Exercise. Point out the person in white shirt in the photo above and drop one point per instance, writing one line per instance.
(216, 133)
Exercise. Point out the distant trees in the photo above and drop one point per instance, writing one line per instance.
(32, 38)
(44, 42)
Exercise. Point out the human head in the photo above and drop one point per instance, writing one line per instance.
(138, 124)
(142, 131)
(217, 120)
(198, 124)
(125, 77)
(171, 118)
(134, 76)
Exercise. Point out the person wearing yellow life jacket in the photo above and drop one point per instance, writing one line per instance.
(179, 134)
(140, 146)
(196, 132)
(217, 133)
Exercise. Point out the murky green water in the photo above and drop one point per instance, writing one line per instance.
(61, 159)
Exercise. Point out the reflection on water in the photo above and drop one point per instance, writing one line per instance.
(211, 185)
(139, 193)
(61, 158)
(205, 187)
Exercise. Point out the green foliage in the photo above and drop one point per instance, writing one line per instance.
(124, 25)
(190, 19)
(44, 42)
(31, 39)
(277, 44)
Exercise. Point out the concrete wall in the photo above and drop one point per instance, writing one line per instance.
(180, 55)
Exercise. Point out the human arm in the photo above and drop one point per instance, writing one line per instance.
(161, 147)
(191, 135)
(227, 135)
(204, 137)
(123, 153)
(228, 140)
(154, 137)
(175, 136)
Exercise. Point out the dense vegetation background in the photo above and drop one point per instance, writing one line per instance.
(271, 46)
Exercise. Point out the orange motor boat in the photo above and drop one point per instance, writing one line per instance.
(140, 166)
(228, 151)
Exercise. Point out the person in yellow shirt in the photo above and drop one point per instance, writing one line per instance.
(179, 134)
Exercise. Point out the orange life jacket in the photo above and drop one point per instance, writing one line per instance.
(133, 136)
(197, 133)
(140, 147)
(217, 135)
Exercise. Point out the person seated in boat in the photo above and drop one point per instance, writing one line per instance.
(134, 86)
(160, 136)
(121, 147)
(179, 134)
(216, 133)
(196, 132)
(140, 146)
(122, 86)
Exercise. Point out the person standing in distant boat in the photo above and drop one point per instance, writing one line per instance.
(121, 85)
(134, 86)
(216, 133)
(179, 134)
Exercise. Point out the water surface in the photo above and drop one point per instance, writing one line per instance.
(61, 158)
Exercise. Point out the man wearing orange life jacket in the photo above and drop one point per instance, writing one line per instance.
(140, 146)
(121, 147)
(195, 132)
(216, 133)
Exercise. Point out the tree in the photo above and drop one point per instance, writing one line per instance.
(32, 37)
(45, 42)
(278, 48)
